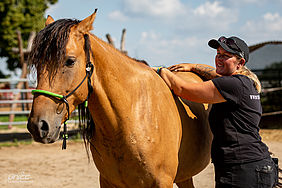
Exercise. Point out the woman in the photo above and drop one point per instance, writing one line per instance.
(239, 156)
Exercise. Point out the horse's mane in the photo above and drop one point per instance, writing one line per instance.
(49, 46)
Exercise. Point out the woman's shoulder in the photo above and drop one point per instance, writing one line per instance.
(246, 81)
(237, 84)
(236, 79)
(233, 78)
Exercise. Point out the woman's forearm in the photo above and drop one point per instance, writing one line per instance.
(205, 71)
(203, 92)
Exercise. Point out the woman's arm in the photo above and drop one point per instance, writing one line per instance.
(204, 92)
(206, 71)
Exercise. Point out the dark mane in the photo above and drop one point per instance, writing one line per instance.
(49, 46)
(141, 61)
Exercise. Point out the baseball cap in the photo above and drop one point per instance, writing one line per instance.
(233, 45)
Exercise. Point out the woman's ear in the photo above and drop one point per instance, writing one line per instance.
(241, 63)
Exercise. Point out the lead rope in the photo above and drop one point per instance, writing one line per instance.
(65, 133)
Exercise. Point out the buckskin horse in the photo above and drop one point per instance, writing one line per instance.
(144, 136)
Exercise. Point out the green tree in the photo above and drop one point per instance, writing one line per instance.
(22, 15)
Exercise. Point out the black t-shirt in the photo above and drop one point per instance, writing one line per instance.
(234, 123)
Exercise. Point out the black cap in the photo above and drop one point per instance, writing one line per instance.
(233, 45)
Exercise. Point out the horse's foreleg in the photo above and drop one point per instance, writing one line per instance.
(186, 184)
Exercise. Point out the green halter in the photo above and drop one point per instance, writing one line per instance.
(47, 93)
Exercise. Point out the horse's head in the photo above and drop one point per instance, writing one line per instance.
(60, 58)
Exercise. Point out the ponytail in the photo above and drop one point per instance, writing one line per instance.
(247, 72)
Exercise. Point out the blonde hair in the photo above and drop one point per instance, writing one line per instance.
(247, 72)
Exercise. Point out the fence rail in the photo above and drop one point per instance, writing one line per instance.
(24, 112)
(15, 101)
(7, 101)
(14, 80)
(25, 122)
(267, 90)
(15, 90)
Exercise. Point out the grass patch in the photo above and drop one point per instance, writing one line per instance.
(15, 143)
(76, 138)
(5, 127)
(17, 118)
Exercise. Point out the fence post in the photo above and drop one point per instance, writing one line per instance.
(23, 75)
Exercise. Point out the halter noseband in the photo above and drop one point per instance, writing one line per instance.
(63, 98)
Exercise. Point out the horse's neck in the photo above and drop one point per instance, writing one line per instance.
(112, 61)
(116, 82)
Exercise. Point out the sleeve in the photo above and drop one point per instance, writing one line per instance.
(229, 87)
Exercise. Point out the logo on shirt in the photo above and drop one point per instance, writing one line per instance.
(255, 97)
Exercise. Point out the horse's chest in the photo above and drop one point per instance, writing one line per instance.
(119, 164)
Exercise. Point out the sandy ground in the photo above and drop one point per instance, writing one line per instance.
(47, 166)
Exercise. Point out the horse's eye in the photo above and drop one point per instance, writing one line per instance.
(70, 62)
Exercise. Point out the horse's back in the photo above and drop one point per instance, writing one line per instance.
(194, 152)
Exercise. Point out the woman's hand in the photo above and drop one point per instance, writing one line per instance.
(183, 67)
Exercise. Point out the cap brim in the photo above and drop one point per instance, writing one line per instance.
(215, 44)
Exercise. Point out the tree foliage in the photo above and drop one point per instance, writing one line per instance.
(22, 15)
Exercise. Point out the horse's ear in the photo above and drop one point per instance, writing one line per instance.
(49, 20)
(86, 24)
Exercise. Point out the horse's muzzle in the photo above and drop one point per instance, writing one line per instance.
(41, 132)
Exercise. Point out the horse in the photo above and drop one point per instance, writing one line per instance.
(144, 135)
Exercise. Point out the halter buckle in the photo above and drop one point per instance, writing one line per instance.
(89, 67)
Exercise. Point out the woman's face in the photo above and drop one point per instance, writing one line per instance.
(227, 63)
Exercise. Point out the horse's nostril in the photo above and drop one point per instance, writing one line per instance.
(44, 128)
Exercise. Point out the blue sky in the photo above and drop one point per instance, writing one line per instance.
(166, 32)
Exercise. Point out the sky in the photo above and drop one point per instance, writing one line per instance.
(167, 32)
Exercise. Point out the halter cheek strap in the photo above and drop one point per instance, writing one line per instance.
(63, 98)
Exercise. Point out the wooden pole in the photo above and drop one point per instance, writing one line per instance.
(23, 75)
(122, 42)
(110, 40)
